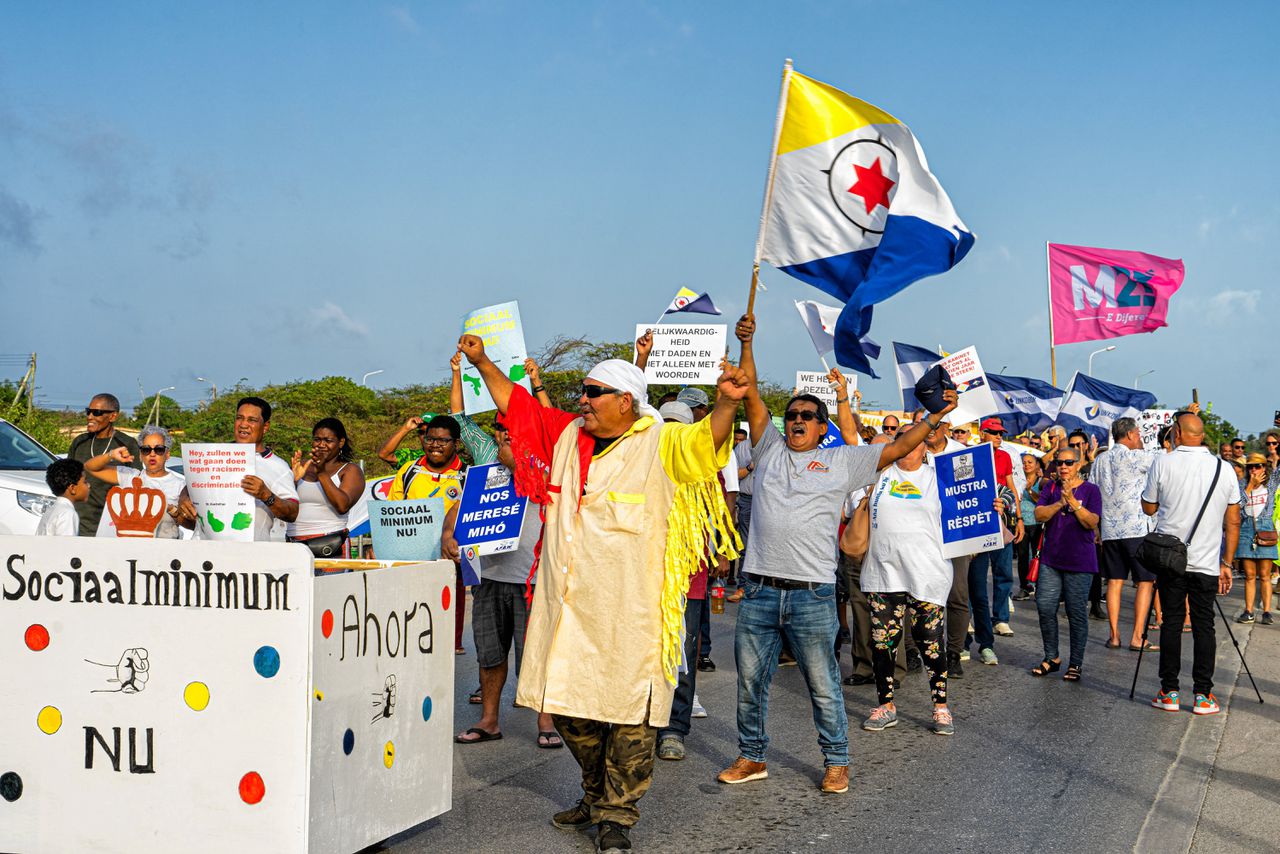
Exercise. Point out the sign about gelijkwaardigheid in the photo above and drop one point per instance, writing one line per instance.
(500, 328)
(685, 354)
(406, 530)
(975, 399)
(490, 514)
(967, 489)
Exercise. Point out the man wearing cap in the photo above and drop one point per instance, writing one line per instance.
(790, 569)
(626, 500)
(991, 610)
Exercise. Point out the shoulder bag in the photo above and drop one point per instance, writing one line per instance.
(1165, 554)
(857, 534)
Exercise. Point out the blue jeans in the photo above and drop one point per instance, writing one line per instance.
(988, 612)
(807, 620)
(703, 628)
(1052, 587)
(682, 704)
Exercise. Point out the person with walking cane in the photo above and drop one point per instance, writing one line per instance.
(1188, 491)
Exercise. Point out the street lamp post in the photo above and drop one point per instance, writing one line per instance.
(1096, 352)
(155, 407)
(1141, 375)
(364, 381)
(213, 395)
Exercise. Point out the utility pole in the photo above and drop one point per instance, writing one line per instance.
(27, 384)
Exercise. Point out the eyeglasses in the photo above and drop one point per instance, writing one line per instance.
(147, 450)
(89, 410)
(594, 391)
(800, 414)
(436, 440)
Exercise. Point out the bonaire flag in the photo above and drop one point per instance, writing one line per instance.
(688, 301)
(853, 209)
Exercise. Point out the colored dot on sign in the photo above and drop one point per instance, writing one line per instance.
(319, 695)
(348, 742)
(389, 755)
(10, 786)
(326, 623)
(426, 708)
(49, 720)
(252, 789)
(266, 661)
(444, 599)
(196, 696)
(37, 637)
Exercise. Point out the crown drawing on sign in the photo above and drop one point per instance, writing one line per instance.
(136, 510)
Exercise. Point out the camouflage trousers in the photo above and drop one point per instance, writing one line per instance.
(617, 765)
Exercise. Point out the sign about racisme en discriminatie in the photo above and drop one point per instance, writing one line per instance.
(685, 354)
(214, 473)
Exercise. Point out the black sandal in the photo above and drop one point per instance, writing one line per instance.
(1046, 667)
(1072, 674)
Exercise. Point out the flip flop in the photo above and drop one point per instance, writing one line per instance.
(545, 742)
(1111, 645)
(474, 697)
(1150, 647)
(480, 735)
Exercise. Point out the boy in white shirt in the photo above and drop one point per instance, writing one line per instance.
(66, 480)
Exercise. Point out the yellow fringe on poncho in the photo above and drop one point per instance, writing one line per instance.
(698, 512)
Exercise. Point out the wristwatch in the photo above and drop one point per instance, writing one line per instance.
(271, 500)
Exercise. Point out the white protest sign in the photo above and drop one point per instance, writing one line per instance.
(214, 472)
(687, 354)
(1150, 423)
(503, 334)
(161, 680)
(976, 400)
(816, 384)
(382, 703)
(406, 530)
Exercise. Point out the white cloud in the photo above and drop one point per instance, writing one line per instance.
(331, 317)
(1230, 304)
(403, 18)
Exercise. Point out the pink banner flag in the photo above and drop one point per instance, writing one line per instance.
(1106, 293)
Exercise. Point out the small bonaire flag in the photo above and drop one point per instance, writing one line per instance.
(853, 209)
(694, 303)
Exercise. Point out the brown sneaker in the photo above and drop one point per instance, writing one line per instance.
(743, 771)
(576, 817)
(836, 780)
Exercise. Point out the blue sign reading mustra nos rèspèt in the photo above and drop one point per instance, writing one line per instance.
(490, 513)
(967, 489)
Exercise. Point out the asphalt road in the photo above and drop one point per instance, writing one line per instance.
(1035, 765)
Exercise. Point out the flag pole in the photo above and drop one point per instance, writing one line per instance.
(768, 185)
(1053, 357)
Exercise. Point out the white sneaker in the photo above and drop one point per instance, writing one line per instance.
(1002, 629)
(964, 654)
(1010, 606)
(698, 710)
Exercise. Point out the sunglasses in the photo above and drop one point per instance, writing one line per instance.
(1075, 444)
(1273, 444)
(594, 391)
(1255, 466)
(89, 410)
(147, 450)
(993, 432)
(1064, 462)
(800, 414)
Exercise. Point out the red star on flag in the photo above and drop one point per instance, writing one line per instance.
(872, 185)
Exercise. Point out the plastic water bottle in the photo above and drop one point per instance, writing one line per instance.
(717, 597)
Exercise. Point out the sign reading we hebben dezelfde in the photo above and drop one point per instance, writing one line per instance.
(490, 514)
(967, 489)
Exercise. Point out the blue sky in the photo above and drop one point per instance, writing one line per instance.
(309, 189)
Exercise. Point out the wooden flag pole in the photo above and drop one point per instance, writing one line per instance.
(1053, 357)
(768, 186)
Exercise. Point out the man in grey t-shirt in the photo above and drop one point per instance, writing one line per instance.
(789, 571)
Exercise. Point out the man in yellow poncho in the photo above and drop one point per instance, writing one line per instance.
(629, 503)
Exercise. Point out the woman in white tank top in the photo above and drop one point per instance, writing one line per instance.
(329, 484)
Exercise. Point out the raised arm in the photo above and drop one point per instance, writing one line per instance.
(846, 419)
(732, 387)
(495, 380)
(905, 442)
(644, 345)
(103, 466)
(534, 373)
(455, 383)
(757, 413)
(387, 453)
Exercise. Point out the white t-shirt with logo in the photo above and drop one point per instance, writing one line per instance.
(905, 550)
(170, 483)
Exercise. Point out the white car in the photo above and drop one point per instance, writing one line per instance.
(23, 492)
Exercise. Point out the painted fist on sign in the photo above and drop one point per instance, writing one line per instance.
(385, 700)
(129, 675)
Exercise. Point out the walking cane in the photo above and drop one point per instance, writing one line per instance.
(1239, 652)
(1146, 627)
